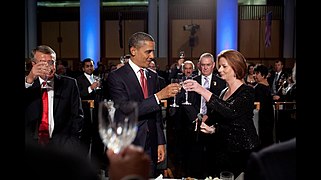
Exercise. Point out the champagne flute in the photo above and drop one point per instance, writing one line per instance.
(186, 91)
(174, 80)
(117, 124)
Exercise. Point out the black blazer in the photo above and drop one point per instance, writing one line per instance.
(217, 85)
(67, 109)
(123, 86)
(83, 84)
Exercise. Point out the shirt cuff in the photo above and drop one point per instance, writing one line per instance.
(89, 90)
(27, 85)
(157, 100)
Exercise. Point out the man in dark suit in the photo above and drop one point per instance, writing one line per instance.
(198, 140)
(124, 85)
(90, 88)
(65, 113)
(277, 80)
(275, 162)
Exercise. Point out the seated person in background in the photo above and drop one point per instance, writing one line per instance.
(275, 162)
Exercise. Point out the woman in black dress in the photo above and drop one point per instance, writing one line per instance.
(230, 121)
(266, 114)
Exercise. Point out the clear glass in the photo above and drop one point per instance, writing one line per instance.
(175, 80)
(117, 124)
(97, 79)
(186, 91)
(48, 68)
(226, 175)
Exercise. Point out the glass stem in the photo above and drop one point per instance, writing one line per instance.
(186, 96)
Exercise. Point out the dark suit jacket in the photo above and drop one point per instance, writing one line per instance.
(275, 162)
(67, 109)
(282, 77)
(83, 84)
(217, 85)
(123, 85)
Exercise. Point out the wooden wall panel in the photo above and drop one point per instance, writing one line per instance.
(252, 36)
(249, 38)
(180, 38)
(112, 40)
(69, 33)
(113, 49)
(49, 35)
(70, 39)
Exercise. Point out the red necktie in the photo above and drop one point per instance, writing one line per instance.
(43, 132)
(143, 82)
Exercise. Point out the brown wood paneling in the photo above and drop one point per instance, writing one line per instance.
(113, 49)
(252, 36)
(49, 35)
(67, 32)
(70, 39)
(249, 38)
(180, 38)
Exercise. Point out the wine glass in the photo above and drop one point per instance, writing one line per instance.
(47, 66)
(186, 91)
(97, 79)
(226, 175)
(117, 124)
(175, 80)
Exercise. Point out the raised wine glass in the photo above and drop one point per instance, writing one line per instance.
(99, 80)
(47, 67)
(186, 91)
(117, 124)
(175, 80)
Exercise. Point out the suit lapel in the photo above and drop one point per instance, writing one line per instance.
(132, 81)
(149, 82)
(57, 91)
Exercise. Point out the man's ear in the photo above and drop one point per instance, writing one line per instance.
(133, 51)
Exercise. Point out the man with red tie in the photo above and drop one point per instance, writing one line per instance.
(129, 82)
(53, 115)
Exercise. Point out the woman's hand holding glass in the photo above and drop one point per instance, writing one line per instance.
(186, 91)
(192, 85)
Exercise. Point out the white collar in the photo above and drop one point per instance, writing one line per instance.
(135, 67)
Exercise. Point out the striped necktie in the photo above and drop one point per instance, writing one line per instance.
(203, 105)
